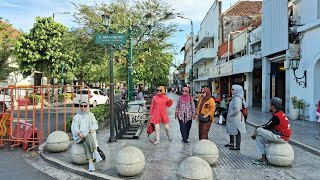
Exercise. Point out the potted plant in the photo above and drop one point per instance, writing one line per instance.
(297, 105)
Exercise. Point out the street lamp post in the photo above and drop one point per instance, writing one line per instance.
(191, 69)
(62, 65)
(150, 23)
(110, 47)
(59, 13)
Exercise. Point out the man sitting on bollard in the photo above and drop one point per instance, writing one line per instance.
(276, 130)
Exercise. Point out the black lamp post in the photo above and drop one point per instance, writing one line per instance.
(106, 22)
(294, 64)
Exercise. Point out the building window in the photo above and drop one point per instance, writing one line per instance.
(205, 66)
(318, 10)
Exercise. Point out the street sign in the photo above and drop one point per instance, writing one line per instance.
(116, 38)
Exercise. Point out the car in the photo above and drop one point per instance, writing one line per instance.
(96, 97)
(5, 101)
(105, 90)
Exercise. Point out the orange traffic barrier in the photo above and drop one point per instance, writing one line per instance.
(34, 112)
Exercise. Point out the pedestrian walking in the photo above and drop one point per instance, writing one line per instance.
(185, 112)
(84, 126)
(158, 113)
(276, 130)
(205, 113)
(235, 119)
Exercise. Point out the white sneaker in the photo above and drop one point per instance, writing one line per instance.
(97, 156)
(91, 167)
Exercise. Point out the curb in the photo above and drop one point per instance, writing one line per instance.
(73, 169)
(305, 147)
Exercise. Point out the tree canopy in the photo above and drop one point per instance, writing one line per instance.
(8, 37)
(43, 49)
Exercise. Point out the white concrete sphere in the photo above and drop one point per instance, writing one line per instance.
(130, 161)
(280, 154)
(194, 168)
(58, 141)
(78, 154)
(207, 150)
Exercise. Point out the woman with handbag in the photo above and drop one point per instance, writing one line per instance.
(158, 113)
(185, 111)
(205, 111)
(235, 120)
(84, 126)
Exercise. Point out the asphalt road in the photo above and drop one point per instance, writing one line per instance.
(13, 166)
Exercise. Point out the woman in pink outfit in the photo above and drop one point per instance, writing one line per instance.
(158, 113)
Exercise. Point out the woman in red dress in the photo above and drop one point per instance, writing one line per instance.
(158, 113)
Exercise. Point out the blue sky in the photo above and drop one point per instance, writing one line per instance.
(21, 14)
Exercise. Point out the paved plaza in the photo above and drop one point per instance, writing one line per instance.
(162, 160)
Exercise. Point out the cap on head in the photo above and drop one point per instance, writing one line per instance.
(277, 102)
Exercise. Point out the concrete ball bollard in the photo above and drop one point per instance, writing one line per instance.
(207, 150)
(78, 154)
(194, 168)
(280, 154)
(58, 141)
(130, 161)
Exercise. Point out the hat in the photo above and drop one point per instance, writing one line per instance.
(277, 102)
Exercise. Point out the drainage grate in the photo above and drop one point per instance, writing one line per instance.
(230, 159)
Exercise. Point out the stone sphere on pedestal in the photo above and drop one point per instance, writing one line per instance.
(58, 141)
(207, 150)
(195, 168)
(130, 161)
(78, 154)
(280, 154)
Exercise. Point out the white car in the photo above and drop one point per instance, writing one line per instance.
(96, 97)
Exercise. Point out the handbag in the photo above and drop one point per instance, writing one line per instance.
(150, 130)
(202, 119)
(101, 153)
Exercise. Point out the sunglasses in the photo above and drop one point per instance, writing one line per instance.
(159, 90)
(232, 89)
(184, 91)
(203, 92)
(83, 106)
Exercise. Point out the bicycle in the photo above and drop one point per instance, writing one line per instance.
(139, 116)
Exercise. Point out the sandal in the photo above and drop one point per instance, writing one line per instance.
(229, 145)
(260, 162)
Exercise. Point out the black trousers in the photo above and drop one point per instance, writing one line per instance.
(238, 139)
(185, 129)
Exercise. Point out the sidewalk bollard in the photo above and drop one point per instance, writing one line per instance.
(78, 154)
(195, 168)
(207, 150)
(280, 154)
(58, 141)
(130, 161)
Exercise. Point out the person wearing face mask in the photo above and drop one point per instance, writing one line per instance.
(235, 119)
(158, 113)
(84, 126)
(205, 113)
(185, 111)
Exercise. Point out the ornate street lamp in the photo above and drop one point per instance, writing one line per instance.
(110, 42)
(150, 23)
(106, 19)
(294, 64)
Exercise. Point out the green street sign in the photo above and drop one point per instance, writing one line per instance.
(116, 38)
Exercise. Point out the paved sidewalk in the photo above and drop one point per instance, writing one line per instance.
(162, 160)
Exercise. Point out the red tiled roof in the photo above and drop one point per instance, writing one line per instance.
(14, 32)
(243, 8)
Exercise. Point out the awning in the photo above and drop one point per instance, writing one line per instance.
(201, 79)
